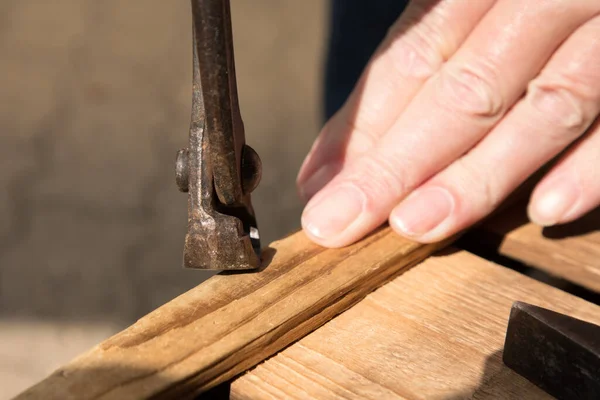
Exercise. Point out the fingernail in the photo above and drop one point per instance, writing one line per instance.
(329, 213)
(317, 181)
(422, 211)
(553, 201)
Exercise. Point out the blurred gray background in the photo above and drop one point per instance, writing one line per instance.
(95, 101)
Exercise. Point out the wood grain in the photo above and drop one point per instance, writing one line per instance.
(436, 332)
(570, 251)
(232, 321)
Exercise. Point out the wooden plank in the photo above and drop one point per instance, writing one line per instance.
(570, 251)
(436, 332)
(232, 321)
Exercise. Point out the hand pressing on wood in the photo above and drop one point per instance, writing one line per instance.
(460, 104)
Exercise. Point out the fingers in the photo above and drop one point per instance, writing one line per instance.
(452, 111)
(560, 105)
(426, 35)
(572, 188)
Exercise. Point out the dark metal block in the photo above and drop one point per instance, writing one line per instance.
(558, 353)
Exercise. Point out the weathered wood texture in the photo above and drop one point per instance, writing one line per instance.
(436, 332)
(232, 322)
(570, 251)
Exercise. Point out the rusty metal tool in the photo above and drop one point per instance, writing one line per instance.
(558, 353)
(218, 169)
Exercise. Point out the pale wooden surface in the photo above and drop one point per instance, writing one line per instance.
(436, 332)
(232, 322)
(570, 251)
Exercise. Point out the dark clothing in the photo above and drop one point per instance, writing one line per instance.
(356, 29)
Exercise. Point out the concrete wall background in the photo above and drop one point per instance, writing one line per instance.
(91, 222)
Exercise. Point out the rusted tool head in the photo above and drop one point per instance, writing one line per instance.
(218, 170)
(558, 353)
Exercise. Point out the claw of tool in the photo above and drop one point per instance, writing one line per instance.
(218, 169)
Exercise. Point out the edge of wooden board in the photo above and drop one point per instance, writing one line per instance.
(570, 251)
(232, 322)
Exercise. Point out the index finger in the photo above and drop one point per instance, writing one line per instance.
(423, 38)
(451, 113)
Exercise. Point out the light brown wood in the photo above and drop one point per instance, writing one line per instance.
(436, 332)
(570, 251)
(232, 321)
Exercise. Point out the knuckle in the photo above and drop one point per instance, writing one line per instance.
(471, 90)
(480, 188)
(355, 128)
(560, 105)
(416, 44)
(363, 137)
(380, 179)
(414, 56)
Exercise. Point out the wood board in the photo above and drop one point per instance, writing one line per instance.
(233, 321)
(436, 332)
(570, 251)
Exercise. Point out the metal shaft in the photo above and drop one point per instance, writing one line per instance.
(217, 169)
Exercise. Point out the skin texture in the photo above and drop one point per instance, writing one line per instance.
(461, 103)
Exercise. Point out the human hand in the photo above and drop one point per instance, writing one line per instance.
(460, 104)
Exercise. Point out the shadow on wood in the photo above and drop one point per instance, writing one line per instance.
(500, 382)
(266, 257)
(497, 382)
(219, 392)
(565, 256)
(588, 224)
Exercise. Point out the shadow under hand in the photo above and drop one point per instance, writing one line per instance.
(486, 243)
(585, 225)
